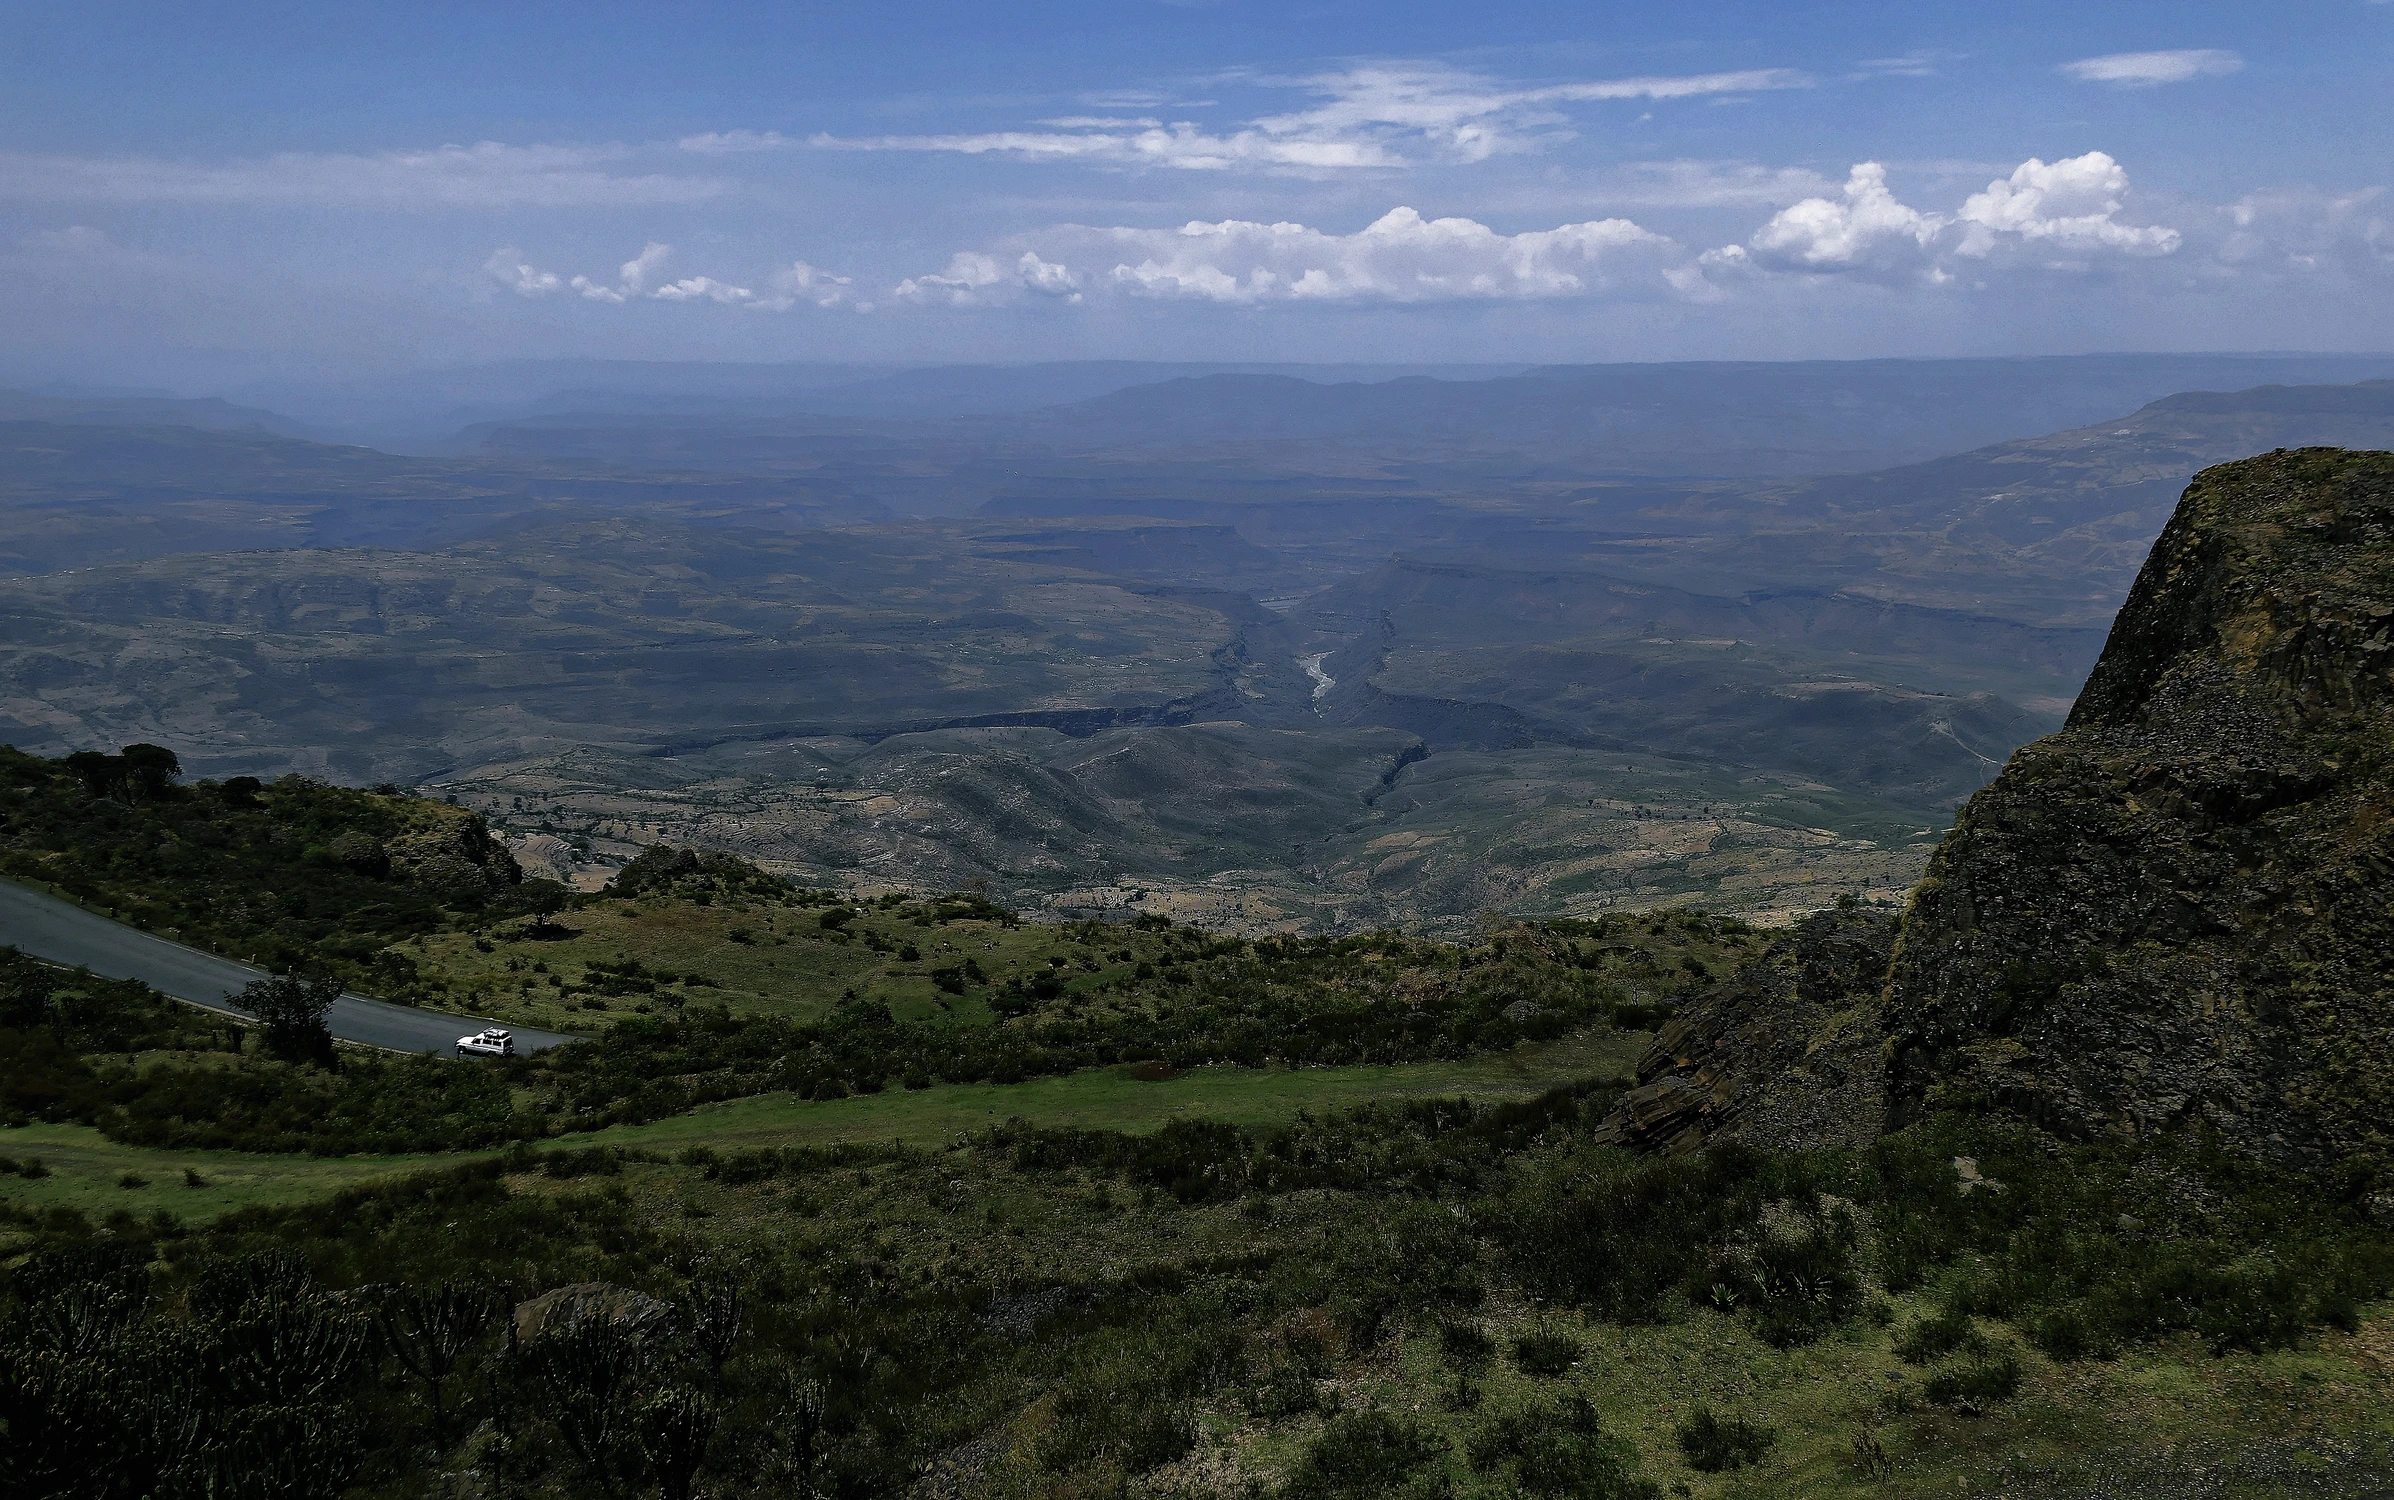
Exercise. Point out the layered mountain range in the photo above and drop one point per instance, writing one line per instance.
(1144, 665)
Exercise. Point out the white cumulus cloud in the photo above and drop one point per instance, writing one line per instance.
(508, 266)
(2069, 204)
(974, 278)
(698, 288)
(2137, 70)
(1401, 257)
(1858, 228)
(799, 282)
(636, 281)
(2069, 207)
(631, 278)
(2296, 231)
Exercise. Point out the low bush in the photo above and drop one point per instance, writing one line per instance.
(1546, 1353)
(1465, 1345)
(1366, 1455)
(1977, 1387)
(1932, 1338)
(1557, 1451)
(1713, 1443)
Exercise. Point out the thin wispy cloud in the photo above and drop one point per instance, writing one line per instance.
(1924, 63)
(487, 175)
(1378, 116)
(2149, 69)
(1710, 184)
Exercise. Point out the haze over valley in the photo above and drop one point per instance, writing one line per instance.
(1062, 657)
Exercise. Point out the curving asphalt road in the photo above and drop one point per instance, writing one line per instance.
(63, 933)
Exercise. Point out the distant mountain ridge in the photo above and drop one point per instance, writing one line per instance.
(2049, 529)
(1305, 682)
(75, 494)
(1671, 419)
(1260, 432)
(209, 413)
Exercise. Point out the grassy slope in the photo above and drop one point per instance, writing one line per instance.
(1115, 1099)
(1647, 1379)
(2167, 1419)
(790, 965)
(85, 1167)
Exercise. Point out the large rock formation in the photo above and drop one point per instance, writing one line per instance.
(2181, 908)
(1786, 1053)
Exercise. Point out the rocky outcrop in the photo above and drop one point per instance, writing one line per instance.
(569, 1307)
(1785, 1054)
(454, 857)
(2180, 910)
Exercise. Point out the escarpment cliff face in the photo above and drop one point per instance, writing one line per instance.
(2180, 909)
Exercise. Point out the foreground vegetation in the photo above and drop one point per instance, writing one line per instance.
(1073, 1210)
(1432, 1297)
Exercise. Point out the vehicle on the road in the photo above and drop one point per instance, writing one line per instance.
(489, 1042)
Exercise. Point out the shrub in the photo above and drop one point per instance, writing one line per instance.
(1364, 1454)
(1465, 1345)
(1557, 1450)
(1617, 1233)
(1794, 1283)
(1545, 1353)
(1932, 1338)
(1978, 1387)
(1288, 1389)
(1136, 1429)
(1714, 1443)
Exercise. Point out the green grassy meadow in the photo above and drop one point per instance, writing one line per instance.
(1117, 1099)
(86, 1170)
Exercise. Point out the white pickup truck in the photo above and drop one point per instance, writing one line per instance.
(487, 1043)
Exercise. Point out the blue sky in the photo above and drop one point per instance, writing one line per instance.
(200, 194)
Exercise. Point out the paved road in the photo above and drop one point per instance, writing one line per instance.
(64, 933)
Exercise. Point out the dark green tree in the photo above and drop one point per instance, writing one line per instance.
(292, 1011)
(150, 771)
(713, 1314)
(431, 1329)
(99, 772)
(675, 1426)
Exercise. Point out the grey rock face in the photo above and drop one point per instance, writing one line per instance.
(1786, 1054)
(2180, 910)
